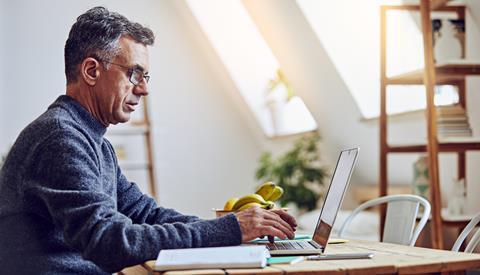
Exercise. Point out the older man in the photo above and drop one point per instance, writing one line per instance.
(65, 206)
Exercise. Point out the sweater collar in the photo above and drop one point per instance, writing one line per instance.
(81, 115)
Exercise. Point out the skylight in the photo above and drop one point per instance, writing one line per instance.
(349, 30)
(252, 66)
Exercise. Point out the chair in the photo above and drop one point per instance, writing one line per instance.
(402, 211)
(466, 231)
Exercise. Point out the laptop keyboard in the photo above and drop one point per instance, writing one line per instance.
(290, 245)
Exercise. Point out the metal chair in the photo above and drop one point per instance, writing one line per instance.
(466, 231)
(402, 211)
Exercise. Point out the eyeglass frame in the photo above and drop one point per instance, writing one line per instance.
(130, 71)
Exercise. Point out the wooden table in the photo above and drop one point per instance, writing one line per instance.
(388, 259)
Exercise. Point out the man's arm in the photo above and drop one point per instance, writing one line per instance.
(142, 208)
(64, 188)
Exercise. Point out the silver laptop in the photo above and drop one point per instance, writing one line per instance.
(333, 201)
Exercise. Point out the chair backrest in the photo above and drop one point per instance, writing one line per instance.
(402, 211)
(466, 231)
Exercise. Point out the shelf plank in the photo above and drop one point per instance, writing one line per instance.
(448, 72)
(437, 4)
(443, 146)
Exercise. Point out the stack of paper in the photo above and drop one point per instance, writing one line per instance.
(248, 256)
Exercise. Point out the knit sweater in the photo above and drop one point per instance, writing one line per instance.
(66, 207)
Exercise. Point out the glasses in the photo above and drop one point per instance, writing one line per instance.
(136, 75)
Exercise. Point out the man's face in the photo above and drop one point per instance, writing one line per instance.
(117, 97)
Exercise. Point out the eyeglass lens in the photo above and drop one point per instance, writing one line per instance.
(137, 76)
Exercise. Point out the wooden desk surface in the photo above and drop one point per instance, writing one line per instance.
(388, 259)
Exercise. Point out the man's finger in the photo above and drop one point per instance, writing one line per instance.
(286, 217)
(273, 216)
(286, 230)
(272, 232)
(271, 239)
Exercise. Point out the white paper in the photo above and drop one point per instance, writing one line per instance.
(251, 256)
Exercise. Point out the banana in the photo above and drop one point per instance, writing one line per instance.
(248, 199)
(229, 204)
(266, 190)
(276, 194)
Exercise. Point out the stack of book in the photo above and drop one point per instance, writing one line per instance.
(452, 121)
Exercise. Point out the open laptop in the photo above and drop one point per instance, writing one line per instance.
(333, 201)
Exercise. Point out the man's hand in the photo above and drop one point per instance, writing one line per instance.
(256, 222)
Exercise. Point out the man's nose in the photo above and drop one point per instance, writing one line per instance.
(141, 88)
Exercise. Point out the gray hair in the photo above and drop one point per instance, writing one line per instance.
(96, 34)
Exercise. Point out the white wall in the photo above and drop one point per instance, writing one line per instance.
(2, 80)
(205, 152)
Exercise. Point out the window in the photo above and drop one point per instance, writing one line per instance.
(252, 66)
(350, 33)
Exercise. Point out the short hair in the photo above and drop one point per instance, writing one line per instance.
(96, 34)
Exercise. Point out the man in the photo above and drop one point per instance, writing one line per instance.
(65, 206)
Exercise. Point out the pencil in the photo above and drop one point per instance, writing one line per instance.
(297, 260)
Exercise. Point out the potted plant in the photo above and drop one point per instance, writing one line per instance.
(297, 171)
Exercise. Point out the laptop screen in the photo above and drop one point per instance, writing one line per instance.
(335, 194)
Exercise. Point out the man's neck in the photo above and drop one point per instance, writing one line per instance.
(84, 96)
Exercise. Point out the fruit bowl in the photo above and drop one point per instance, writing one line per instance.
(220, 212)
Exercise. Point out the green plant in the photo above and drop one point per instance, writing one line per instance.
(297, 171)
(280, 80)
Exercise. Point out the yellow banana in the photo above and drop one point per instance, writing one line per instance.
(266, 189)
(229, 204)
(248, 199)
(276, 194)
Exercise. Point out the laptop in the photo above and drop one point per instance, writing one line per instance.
(333, 201)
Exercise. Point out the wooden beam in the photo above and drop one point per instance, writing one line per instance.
(383, 115)
(437, 4)
(432, 145)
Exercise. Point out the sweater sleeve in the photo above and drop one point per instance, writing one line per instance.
(142, 208)
(66, 185)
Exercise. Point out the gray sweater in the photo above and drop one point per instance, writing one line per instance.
(65, 206)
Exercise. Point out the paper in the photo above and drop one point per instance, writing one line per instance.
(251, 256)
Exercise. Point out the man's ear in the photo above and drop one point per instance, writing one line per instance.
(90, 70)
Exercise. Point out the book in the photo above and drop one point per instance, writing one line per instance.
(452, 121)
(244, 256)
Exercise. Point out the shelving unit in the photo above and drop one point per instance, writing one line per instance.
(452, 73)
(138, 127)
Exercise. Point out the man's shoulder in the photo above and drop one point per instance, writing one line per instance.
(54, 120)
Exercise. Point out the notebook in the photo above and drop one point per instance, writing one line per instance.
(333, 201)
(244, 256)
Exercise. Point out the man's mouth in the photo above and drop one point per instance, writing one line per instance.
(131, 106)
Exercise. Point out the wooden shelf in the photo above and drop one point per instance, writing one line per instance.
(452, 72)
(449, 145)
(446, 73)
(437, 4)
